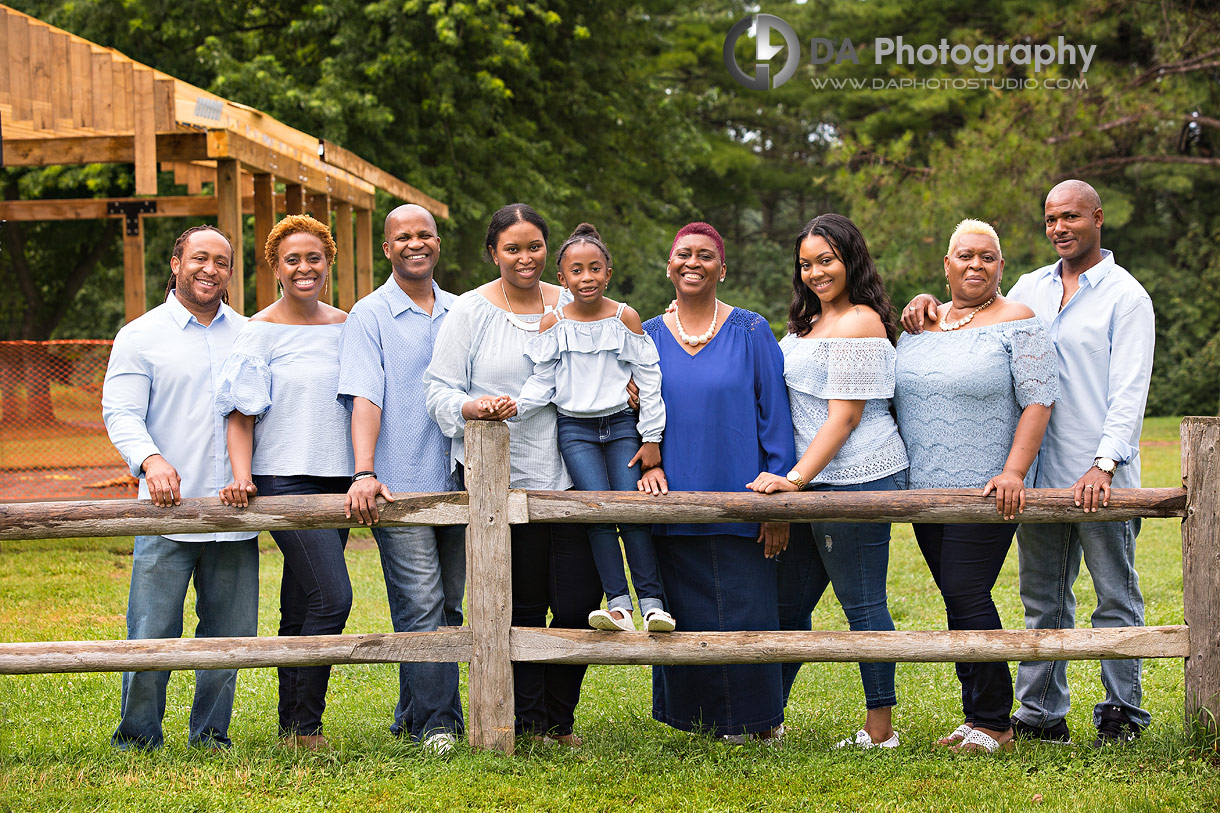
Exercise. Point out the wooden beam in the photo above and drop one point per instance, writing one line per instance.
(80, 518)
(20, 92)
(96, 208)
(40, 76)
(143, 102)
(345, 159)
(345, 265)
(489, 587)
(1201, 570)
(444, 645)
(103, 91)
(133, 271)
(6, 98)
(82, 84)
(40, 152)
(364, 253)
(229, 220)
(294, 199)
(264, 219)
(552, 645)
(164, 105)
(928, 505)
(62, 80)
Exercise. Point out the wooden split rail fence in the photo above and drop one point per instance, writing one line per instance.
(490, 644)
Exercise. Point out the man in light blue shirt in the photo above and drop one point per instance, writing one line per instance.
(1101, 322)
(385, 347)
(159, 405)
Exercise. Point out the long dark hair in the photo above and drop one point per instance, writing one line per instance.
(864, 285)
(505, 217)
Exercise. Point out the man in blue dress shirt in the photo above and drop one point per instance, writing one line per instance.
(159, 405)
(385, 347)
(1101, 321)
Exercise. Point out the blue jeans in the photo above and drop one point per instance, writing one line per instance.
(596, 452)
(1049, 559)
(315, 599)
(425, 577)
(226, 591)
(854, 557)
(965, 560)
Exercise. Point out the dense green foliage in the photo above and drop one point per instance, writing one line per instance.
(624, 115)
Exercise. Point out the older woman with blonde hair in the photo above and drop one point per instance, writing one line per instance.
(288, 434)
(973, 395)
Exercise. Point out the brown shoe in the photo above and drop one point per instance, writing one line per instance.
(306, 742)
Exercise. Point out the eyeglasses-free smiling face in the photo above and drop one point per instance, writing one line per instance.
(695, 265)
(301, 266)
(412, 245)
(1072, 226)
(821, 269)
(202, 274)
(585, 272)
(974, 268)
(520, 252)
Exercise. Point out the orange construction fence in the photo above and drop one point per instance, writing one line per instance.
(53, 444)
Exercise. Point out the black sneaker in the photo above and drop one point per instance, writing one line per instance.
(1115, 728)
(1051, 733)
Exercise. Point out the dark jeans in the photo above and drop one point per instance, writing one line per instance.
(965, 561)
(854, 557)
(552, 568)
(596, 452)
(315, 598)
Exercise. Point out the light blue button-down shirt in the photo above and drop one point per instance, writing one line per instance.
(159, 397)
(384, 350)
(1104, 339)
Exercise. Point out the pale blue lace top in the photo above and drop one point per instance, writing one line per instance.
(287, 376)
(820, 370)
(583, 368)
(959, 395)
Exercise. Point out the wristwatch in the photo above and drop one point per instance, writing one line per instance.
(796, 479)
(1105, 464)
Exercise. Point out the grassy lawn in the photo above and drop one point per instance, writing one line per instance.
(54, 729)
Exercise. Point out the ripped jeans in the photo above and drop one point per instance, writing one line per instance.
(854, 557)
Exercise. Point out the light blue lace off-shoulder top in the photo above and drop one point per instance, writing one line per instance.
(820, 370)
(959, 395)
(287, 376)
(583, 368)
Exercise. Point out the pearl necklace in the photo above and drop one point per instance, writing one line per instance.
(965, 320)
(695, 341)
(512, 317)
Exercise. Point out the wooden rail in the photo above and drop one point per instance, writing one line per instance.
(490, 644)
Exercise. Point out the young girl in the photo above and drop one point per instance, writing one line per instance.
(584, 355)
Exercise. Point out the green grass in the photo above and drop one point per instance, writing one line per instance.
(54, 729)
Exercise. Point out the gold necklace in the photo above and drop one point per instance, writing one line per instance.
(965, 320)
(512, 317)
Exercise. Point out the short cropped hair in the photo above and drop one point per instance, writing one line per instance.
(969, 226)
(295, 224)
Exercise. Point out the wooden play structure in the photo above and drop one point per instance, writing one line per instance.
(66, 100)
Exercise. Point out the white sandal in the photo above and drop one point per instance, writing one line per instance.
(981, 741)
(657, 620)
(604, 620)
(960, 733)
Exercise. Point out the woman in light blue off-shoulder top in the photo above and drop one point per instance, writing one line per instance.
(974, 393)
(288, 434)
(839, 369)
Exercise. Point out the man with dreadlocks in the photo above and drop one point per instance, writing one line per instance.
(159, 405)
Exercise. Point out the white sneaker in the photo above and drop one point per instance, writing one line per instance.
(603, 620)
(863, 740)
(440, 744)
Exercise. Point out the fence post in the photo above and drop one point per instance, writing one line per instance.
(489, 586)
(1201, 569)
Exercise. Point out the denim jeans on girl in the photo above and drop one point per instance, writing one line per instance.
(596, 452)
(315, 598)
(854, 557)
